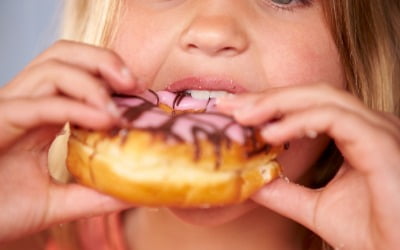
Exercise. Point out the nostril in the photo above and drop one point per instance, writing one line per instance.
(228, 51)
(191, 47)
(213, 50)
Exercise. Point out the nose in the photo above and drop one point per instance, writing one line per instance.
(214, 35)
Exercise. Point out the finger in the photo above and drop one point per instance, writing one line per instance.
(290, 200)
(280, 100)
(98, 61)
(229, 103)
(21, 115)
(73, 201)
(322, 211)
(348, 129)
(55, 77)
(395, 120)
(275, 103)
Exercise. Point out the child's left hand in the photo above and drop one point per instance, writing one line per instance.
(359, 208)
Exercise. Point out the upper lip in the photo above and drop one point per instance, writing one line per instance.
(206, 83)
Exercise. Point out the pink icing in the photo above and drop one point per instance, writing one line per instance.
(207, 124)
(187, 102)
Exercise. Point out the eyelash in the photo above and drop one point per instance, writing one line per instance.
(290, 6)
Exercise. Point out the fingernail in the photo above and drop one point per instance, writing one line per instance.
(127, 75)
(269, 129)
(311, 134)
(113, 109)
(285, 178)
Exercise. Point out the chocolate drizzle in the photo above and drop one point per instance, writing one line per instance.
(132, 114)
(200, 128)
(178, 98)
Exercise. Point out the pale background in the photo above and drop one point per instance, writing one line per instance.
(27, 27)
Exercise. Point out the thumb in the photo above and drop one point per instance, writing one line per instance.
(290, 200)
(73, 201)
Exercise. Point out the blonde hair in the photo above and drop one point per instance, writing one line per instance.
(366, 33)
(90, 21)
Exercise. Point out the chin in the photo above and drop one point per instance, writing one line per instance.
(215, 216)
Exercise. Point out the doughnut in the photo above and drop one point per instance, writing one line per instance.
(175, 151)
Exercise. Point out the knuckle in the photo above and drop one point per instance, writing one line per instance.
(333, 109)
(60, 47)
(43, 71)
(323, 86)
(48, 53)
(111, 57)
(61, 44)
(54, 70)
(3, 106)
(393, 119)
(331, 91)
(384, 137)
(55, 48)
(52, 64)
(9, 106)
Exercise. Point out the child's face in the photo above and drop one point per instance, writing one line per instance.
(240, 45)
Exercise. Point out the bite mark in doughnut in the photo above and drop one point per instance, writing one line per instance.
(166, 155)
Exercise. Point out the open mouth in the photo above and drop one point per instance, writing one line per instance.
(185, 107)
(192, 100)
(189, 115)
(193, 93)
(205, 94)
(184, 100)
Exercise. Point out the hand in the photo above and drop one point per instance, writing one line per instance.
(359, 208)
(67, 83)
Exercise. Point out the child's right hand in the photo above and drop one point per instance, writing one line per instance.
(67, 83)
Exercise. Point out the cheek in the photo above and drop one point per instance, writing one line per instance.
(140, 48)
(302, 57)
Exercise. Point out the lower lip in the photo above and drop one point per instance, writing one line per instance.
(213, 216)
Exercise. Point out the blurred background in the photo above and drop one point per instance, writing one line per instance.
(27, 27)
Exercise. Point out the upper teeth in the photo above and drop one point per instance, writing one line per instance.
(205, 94)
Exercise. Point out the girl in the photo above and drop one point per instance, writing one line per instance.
(325, 72)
